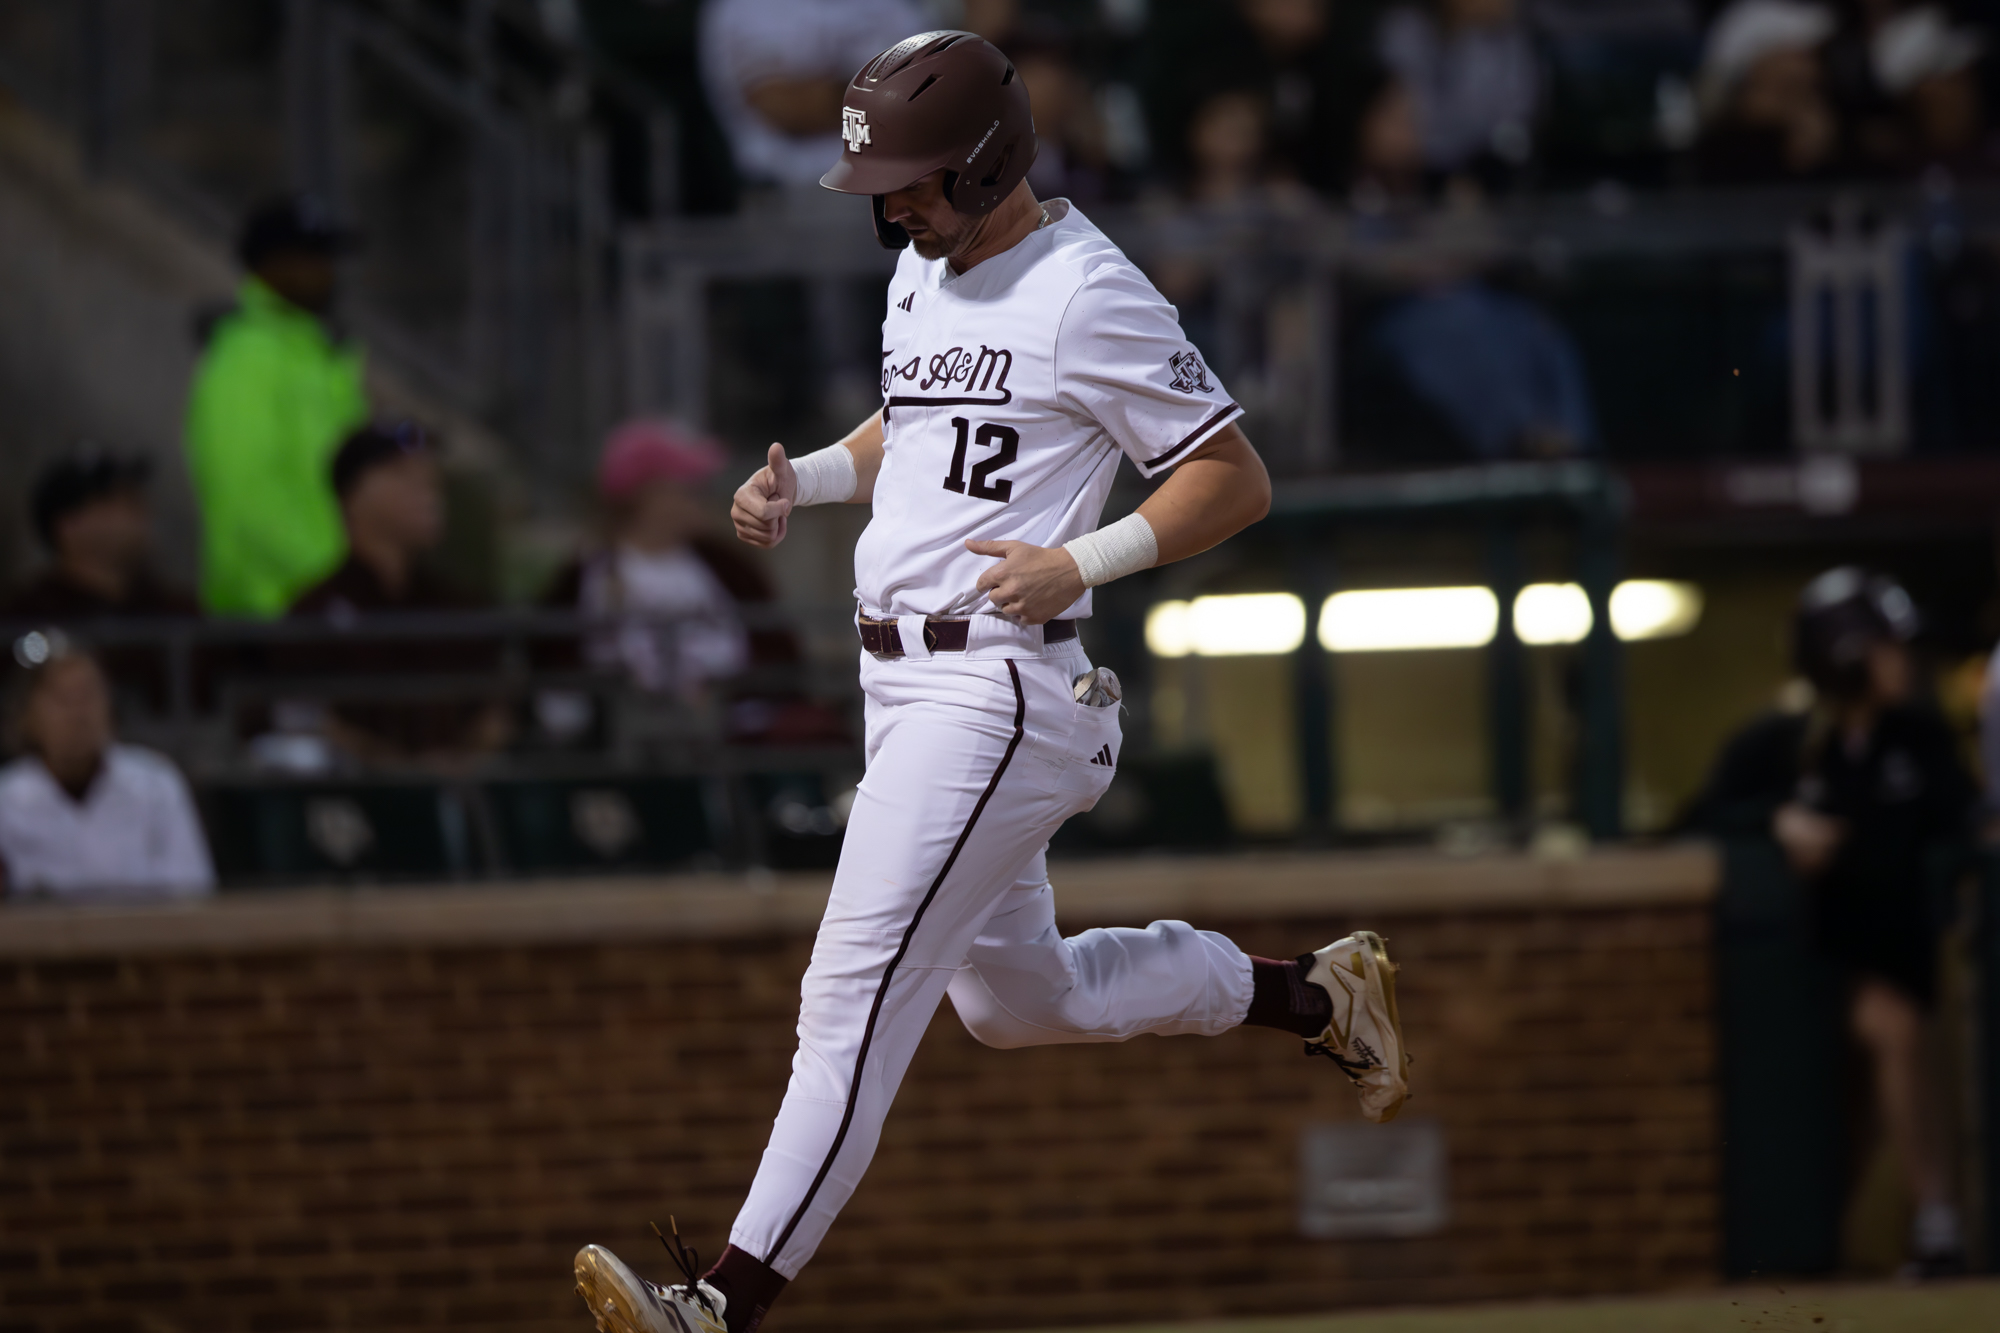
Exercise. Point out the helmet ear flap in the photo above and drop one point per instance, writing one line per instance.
(890, 234)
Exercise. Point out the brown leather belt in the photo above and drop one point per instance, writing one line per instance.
(883, 639)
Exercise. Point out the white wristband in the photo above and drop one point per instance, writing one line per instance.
(1126, 547)
(826, 477)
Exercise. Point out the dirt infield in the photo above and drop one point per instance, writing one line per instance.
(1958, 1307)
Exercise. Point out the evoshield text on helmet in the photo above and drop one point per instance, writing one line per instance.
(943, 100)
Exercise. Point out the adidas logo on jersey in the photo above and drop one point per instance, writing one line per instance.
(1103, 757)
(905, 304)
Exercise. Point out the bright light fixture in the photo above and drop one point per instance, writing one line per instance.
(1168, 633)
(1640, 609)
(1552, 613)
(1246, 624)
(1654, 608)
(1236, 625)
(1395, 619)
(1403, 619)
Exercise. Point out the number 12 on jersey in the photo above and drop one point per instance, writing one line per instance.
(984, 486)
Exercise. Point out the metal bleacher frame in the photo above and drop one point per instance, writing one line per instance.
(213, 671)
(1502, 501)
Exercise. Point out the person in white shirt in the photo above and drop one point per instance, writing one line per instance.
(659, 567)
(1023, 357)
(775, 70)
(80, 814)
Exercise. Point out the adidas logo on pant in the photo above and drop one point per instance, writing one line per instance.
(1103, 757)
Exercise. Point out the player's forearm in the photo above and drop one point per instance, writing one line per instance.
(865, 443)
(1220, 490)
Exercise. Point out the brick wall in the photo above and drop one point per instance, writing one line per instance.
(419, 1136)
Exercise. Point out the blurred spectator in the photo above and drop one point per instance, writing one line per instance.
(1617, 88)
(682, 586)
(1506, 379)
(1767, 111)
(775, 71)
(1389, 152)
(995, 20)
(1229, 150)
(274, 394)
(80, 814)
(90, 511)
(1858, 791)
(1231, 177)
(1071, 161)
(1927, 67)
(392, 507)
(662, 563)
(1313, 61)
(1471, 80)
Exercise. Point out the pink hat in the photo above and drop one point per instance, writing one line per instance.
(644, 448)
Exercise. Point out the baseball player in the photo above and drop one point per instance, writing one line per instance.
(1022, 355)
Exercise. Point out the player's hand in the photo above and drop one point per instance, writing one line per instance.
(764, 503)
(1809, 838)
(1031, 584)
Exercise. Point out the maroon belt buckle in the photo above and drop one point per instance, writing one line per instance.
(883, 638)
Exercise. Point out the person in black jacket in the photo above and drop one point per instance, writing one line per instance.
(90, 510)
(388, 481)
(1857, 791)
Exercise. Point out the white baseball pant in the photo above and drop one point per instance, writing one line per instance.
(973, 762)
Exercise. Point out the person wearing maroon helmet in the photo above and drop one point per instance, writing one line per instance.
(1022, 357)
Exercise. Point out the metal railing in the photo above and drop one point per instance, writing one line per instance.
(188, 682)
(467, 144)
(1682, 307)
(644, 779)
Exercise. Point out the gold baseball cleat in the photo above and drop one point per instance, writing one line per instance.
(623, 1302)
(1365, 1035)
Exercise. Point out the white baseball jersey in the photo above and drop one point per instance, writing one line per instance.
(1009, 392)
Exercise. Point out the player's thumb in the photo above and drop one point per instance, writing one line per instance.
(776, 458)
(989, 548)
(783, 473)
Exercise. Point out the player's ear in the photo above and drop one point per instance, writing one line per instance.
(891, 234)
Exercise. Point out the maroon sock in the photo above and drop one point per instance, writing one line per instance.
(1282, 998)
(748, 1285)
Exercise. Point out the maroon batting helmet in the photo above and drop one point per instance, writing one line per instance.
(945, 100)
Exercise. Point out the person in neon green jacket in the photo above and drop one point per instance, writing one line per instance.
(274, 395)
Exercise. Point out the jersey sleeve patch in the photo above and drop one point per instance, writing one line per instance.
(1190, 374)
(1123, 362)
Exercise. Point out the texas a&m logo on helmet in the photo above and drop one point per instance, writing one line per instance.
(854, 128)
